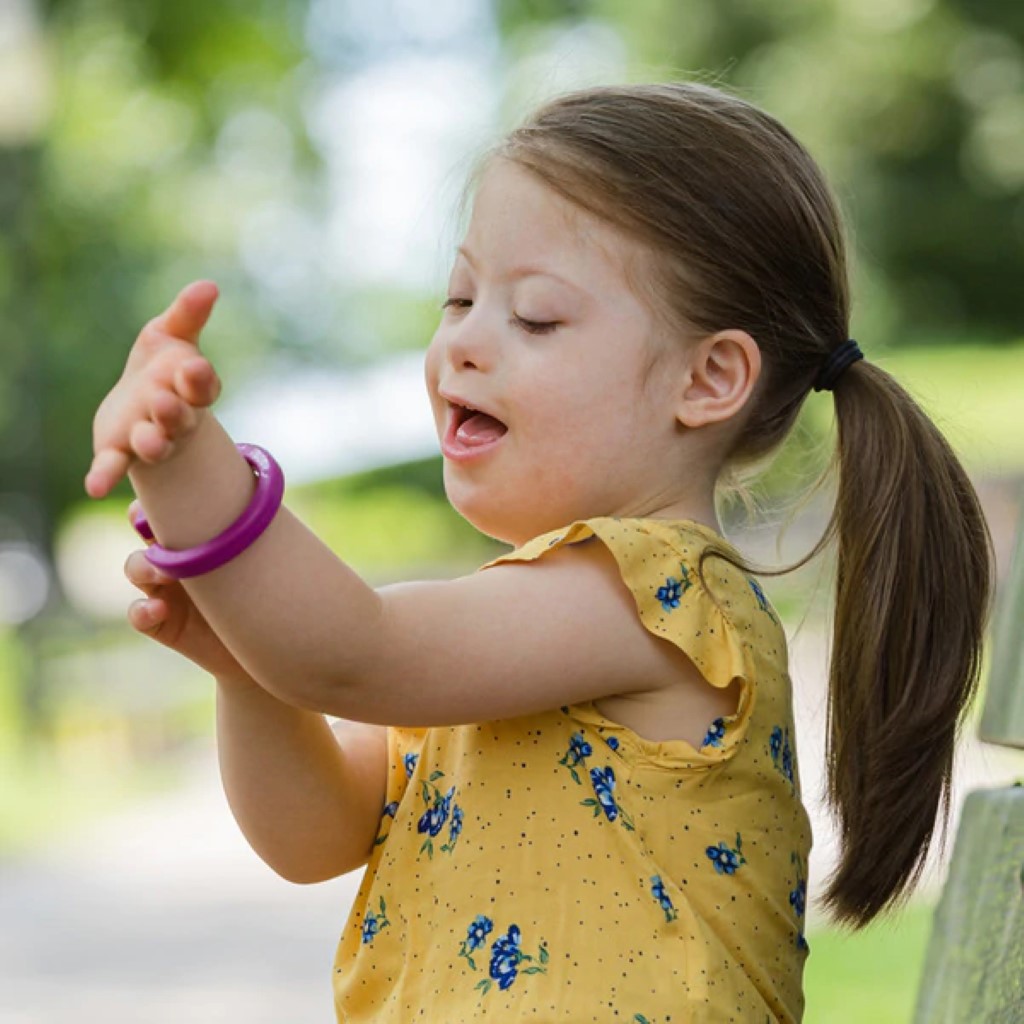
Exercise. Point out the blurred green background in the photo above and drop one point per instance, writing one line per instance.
(307, 155)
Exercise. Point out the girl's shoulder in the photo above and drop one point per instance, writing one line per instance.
(666, 552)
(711, 615)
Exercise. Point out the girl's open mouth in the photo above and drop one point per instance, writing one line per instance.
(470, 432)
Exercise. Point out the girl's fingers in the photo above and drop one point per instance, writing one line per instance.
(108, 466)
(187, 314)
(149, 442)
(147, 615)
(172, 415)
(143, 574)
(197, 382)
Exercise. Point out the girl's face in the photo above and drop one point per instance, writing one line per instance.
(542, 333)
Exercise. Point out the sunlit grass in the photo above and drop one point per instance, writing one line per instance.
(91, 759)
(870, 975)
(976, 397)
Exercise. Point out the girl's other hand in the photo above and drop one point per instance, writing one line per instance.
(164, 389)
(167, 614)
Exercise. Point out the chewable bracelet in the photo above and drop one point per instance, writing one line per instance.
(212, 554)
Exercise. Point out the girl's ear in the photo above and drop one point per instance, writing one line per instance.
(721, 374)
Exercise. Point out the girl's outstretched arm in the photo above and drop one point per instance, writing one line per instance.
(514, 640)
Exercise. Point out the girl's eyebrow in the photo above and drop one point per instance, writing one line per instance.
(517, 273)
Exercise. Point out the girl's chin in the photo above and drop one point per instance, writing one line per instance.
(502, 521)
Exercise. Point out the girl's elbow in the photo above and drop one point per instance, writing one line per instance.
(307, 694)
(301, 872)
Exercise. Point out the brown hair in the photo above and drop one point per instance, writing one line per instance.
(744, 233)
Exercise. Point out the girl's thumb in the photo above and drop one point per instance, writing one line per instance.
(187, 314)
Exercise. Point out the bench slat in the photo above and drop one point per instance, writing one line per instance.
(974, 969)
(1003, 719)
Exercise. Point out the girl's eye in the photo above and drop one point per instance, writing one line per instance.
(535, 326)
(457, 303)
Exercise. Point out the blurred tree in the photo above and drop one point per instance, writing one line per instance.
(90, 249)
(202, 97)
(915, 108)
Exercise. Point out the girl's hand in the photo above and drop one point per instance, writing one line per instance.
(164, 389)
(167, 614)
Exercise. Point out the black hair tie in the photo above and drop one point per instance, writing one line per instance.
(838, 360)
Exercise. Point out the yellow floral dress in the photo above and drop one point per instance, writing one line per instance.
(560, 867)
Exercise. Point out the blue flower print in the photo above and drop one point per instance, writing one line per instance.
(389, 812)
(372, 923)
(454, 829)
(478, 931)
(604, 782)
(475, 938)
(612, 741)
(602, 779)
(762, 601)
(579, 750)
(798, 897)
(782, 752)
(669, 594)
(658, 889)
(410, 764)
(715, 734)
(507, 955)
(672, 590)
(725, 859)
(433, 819)
(798, 900)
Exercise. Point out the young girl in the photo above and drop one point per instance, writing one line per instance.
(572, 775)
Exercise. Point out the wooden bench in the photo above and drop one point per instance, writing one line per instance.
(974, 968)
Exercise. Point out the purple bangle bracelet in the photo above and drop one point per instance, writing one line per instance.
(212, 554)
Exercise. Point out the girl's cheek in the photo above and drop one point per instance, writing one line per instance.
(432, 367)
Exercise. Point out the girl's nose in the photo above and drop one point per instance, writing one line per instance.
(471, 346)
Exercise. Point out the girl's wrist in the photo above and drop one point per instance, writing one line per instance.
(199, 492)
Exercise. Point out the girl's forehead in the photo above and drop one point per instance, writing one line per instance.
(518, 219)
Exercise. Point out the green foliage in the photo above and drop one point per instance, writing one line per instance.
(914, 108)
(393, 524)
(99, 756)
(12, 667)
(133, 189)
(383, 321)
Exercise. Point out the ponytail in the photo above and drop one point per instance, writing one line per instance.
(914, 576)
(913, 594)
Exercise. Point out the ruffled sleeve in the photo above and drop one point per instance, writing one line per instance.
(657, 562)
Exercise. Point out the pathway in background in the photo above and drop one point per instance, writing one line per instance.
(164, 914)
